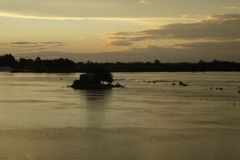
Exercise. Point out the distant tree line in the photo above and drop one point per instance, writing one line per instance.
(65, 65)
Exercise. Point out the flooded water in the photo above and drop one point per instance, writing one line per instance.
(152, 118)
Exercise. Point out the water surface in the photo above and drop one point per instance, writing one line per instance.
(150, 119)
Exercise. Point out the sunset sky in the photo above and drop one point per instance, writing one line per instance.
(123, 30)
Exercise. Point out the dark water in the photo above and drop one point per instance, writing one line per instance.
(41, 118)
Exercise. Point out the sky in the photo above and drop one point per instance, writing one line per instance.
(126, 30)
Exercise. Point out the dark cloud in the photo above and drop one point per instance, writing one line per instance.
(121, 43)
(225, 17)
(54, 43)
(22, 43)
(34, 44)
(28, 46)
(225, 50)
(223, 46)
(216, 27)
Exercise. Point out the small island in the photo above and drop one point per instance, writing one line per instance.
(98, 77)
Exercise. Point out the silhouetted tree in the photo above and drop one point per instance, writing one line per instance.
(201, 62)
(101, 73)
(38, 60)
(157, 61)
(7, 60)
(102, 70)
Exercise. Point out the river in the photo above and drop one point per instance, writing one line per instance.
(152, 118)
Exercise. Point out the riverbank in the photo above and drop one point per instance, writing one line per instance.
(62, 65)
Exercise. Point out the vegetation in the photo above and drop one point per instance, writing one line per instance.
(101, 73)
(65, 65)
(95, 78)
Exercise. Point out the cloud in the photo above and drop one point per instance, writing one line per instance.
(57, 44)
(23, 44)
(234, 8)
(111, 8)
(185, 15)
(82, 18)
(121, 43)
(215, 27)
(144, 1)
(226, 50)
(82, 38)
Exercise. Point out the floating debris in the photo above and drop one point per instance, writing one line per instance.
(182, 84)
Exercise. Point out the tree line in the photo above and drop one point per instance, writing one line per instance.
(64, 65)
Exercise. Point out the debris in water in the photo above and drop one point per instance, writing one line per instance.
(182, 84)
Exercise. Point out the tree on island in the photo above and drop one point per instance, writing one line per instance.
(101, 74)
(96, 78)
